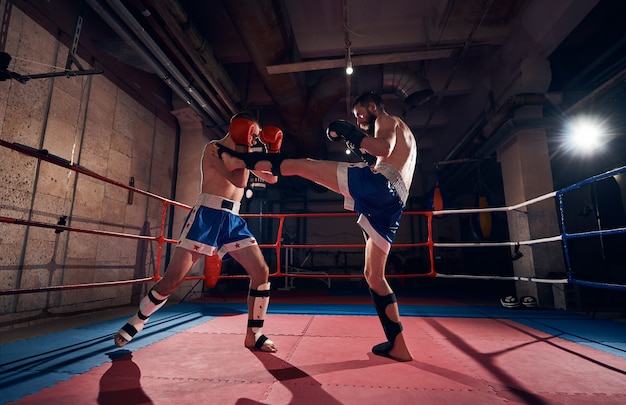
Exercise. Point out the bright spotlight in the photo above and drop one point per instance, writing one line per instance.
(349, 69)
(586, 135)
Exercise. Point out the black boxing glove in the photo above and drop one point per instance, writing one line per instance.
(345, 130)
(364, 156)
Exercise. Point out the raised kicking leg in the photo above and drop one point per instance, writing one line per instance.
(386, 305)
(181, 263)
(322, 172)
(258, 297)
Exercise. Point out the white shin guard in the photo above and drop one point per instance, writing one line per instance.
(148, 305)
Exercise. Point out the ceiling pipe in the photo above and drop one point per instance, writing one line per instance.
(482, 132)
(173, 13)
(505, 112)
(158, 53)
(608, 85)
(504, 115)
(187, 59)
(155, 58)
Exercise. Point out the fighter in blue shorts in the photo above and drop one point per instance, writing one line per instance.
(376, 189)
(373, 193)
(214, 228)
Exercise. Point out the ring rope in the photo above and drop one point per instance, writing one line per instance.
(277, 245)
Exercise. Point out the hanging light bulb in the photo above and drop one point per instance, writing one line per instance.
(349, 69)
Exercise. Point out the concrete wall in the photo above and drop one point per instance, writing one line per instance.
(89, 121)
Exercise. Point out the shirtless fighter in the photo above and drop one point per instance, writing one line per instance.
(377, 189)
(214, 227)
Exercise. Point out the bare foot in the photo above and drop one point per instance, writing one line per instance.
(267, 345)
(126, 334)
(119, 340)
(399, 351)
(406, 356)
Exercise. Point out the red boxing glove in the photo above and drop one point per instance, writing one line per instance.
(243, 132)
(272, 138)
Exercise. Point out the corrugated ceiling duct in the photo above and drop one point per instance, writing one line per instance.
(413, 88)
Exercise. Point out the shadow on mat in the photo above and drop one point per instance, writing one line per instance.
(306, 390)
(121, 384)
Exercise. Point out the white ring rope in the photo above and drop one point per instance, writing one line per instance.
(491, 244)
(513, 278)
(495, 209)
(562, 237)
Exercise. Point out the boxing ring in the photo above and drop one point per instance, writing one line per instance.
(564, 237)
(210, 277)
(191, 351)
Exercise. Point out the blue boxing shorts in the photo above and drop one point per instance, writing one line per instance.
(214, 227)
(375, 197)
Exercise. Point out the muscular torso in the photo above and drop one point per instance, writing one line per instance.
(404, 153)
(216, 179)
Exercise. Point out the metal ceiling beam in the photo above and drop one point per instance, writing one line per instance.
(146, 47)
(377, 59)
(197, 47)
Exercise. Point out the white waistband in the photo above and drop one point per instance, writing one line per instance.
(218, 203)
(395, 179)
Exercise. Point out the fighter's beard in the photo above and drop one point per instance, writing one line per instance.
(369, 127)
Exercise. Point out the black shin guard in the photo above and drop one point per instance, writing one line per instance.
(392, 329)
(252, 158)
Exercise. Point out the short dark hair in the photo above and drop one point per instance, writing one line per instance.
(364, 99)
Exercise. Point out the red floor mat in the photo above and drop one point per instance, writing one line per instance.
(326, 359)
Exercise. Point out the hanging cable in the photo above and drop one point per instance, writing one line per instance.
(348, 45)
